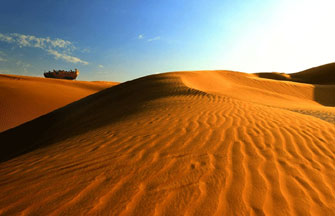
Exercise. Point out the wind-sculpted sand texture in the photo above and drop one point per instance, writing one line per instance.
(24, 98)
(188, 143)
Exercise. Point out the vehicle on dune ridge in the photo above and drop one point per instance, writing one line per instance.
(62, 74)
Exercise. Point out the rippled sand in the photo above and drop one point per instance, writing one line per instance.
(186, 143)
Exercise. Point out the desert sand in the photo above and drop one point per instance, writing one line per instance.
(23, 98)
(182, 143)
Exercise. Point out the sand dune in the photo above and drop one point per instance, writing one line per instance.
(24, 98)
(186, 143)
(324, 74)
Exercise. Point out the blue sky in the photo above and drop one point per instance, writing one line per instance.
(120, 40)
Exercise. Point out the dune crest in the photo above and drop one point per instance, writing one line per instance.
(323, 74)
(186, 143)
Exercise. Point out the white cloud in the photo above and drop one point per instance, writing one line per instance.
(2, 59)
(141, 37)
(66, 57)
(100, 66)
(32, 41)
(6, 38)
(154, 39)
(59, 48)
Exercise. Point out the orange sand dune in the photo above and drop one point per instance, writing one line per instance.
(188, 143)
(324, 74)
(24, 98)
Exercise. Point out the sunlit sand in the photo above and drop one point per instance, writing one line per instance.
(181, 143)
(24, 98)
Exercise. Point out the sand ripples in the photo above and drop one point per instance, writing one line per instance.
(190, 152)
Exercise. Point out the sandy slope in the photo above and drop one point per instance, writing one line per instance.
(196, 143)
(24, 98)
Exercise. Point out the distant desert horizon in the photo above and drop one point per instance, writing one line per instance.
(177, 143)
(167, 108)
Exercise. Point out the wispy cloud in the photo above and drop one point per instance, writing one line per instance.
(6, 38)
(59, 48)
(154, 39)
(141, 37)
(32, 41)
(85, 50)
(66, 57)
(24, 66)
(100, 66)
(21, 63)
(2, 59)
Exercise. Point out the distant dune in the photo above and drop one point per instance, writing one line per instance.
(183, 143)
(324, 74)
(23, 98)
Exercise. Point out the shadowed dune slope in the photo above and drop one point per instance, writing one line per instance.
(186, 143)
(24, 98)
(322, 78)
(324, 74)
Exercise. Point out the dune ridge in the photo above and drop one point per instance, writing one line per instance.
(186, 143)
(23, 98)
(323, 74)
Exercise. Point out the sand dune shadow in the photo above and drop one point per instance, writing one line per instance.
(103, 108)
(325, 94)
